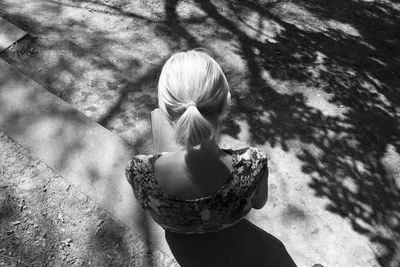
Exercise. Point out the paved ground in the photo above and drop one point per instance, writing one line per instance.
(315, 84)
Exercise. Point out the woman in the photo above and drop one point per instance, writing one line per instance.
(200, 187)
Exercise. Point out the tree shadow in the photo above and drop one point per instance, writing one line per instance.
(323, 73)
(350, 135)
(241, 245)
(132, 84)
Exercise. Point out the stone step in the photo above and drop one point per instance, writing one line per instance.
(9, 34)
(83, 152)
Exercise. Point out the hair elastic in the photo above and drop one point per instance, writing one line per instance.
(191, 104)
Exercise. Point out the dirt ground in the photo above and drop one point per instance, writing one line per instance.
(319, 79)
(47, 222)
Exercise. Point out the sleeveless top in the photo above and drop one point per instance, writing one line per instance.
(214, 212)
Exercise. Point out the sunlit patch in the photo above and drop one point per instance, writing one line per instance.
(26, 184)
(372, 86)
(244, 134)
(97, 91)
(231, 60)
(187, 11)
(396, 6)
(285, 162)
(140, 127)
(299, 17)
(343, 27)
(350, 185)
(390, 161)
(313, 149)
(258, 27)
(280, 86)
(265, 117)
(317, 98)
(307, 21)
(378, 61)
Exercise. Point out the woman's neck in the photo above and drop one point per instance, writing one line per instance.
(210, 146)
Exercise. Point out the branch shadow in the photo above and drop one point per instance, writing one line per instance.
(350, 134)
(328, 77)
(69, 119)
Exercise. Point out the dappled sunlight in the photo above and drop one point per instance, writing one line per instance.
(390, 162)
(325, 84)
(343, 27)
(316, 83)
(89, 53)
(316, 98)
(307, 21)
(85, 154)
(299, 17)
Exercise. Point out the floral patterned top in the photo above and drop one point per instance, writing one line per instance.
(211, 213)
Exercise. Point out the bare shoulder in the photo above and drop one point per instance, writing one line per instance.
(168, 162)
(169, 170)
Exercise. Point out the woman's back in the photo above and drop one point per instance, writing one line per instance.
(209, 212)
(198, 187)
(194, 173)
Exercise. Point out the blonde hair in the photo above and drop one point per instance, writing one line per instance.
(194, 93)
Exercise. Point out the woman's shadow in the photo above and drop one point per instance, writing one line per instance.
(241, 245)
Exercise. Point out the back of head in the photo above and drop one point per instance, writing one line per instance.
(193, 92)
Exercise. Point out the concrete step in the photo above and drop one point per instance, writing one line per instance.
(83, 152)
(9, 34)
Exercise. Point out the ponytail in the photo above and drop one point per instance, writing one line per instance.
(192, 128)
